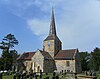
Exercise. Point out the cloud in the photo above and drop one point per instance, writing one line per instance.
(38, 27)
(77, 24)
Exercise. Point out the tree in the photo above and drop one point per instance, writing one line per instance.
(90, 61)
(8, 42)
(84, 60)
(94, 62)
(1, 64)
(8, 55)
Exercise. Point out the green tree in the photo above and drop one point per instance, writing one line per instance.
(94, 62)
(8, 55)
(9, 41)
(1, 64)
(84, 60)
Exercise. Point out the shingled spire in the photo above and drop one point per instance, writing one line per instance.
(52, 25)
(52, 32)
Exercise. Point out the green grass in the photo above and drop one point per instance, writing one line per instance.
(49, 75)
(8, 77)
(98, 76)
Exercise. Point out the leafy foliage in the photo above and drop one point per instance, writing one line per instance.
(90, 61)
(84, 59)
(8, 56)
(95, 59)
(8, 42)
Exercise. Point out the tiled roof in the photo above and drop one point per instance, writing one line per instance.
(46, 54)
(26, 56)
(52, 37)
(66, 54)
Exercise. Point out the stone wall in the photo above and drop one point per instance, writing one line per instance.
(28, 63)
(53, 47)
(61, 65)
(77, 62)
(49, 48)
(48, 65)
(38, 61)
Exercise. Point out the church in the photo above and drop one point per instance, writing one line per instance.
(51, 58)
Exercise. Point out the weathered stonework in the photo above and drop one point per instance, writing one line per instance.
(28, 65)
(38, 62)
(62, 65)
(49, 48)
(52, 57)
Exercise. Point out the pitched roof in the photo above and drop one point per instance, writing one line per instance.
(52, 37)
(52, 25)
(45, 54)
(65, 54)
(52, 32)
(26, 56)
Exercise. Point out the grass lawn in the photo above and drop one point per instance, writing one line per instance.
(49, 75)
(8, 77)
(98, 76)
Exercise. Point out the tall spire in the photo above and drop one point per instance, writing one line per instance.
(52, 25)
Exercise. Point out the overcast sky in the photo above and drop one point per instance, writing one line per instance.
(77, 22)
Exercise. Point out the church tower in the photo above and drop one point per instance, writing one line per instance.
(52, 44)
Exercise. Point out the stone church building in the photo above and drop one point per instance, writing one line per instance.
(51, 58)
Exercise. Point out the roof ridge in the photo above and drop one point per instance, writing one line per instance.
(68, 49)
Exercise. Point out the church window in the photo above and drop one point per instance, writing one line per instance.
(67, 63)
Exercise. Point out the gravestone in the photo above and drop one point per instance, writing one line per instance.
(86, 73)
(54, 74)
(46, 73)
(47, 77)
(24, 75)
(40, 74)
(53, 77)
(93, 74)
(0, 75)
(35, 76)
(14, 77)
(65, 72)
(27, 76)
(75, 75)
(90, 73)
(31, 72)
(30, 77)
(18, 76)
(57, 77)
(62, 71)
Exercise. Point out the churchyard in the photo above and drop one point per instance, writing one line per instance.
(53, 75)
(34, 76)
